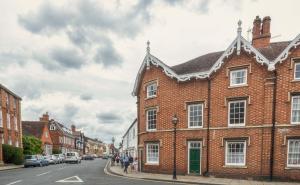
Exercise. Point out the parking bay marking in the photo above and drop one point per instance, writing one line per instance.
(43, 173)
(71, 179)
(14, 182)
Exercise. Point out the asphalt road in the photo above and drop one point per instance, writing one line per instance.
(86, 173)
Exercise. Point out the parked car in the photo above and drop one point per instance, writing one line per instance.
(60, 158)
(88, 157)
(72, 157)
(35, 160)
(105, 157)
(52, 159)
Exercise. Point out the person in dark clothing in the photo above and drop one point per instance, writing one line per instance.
(126, 163)
(131, 162)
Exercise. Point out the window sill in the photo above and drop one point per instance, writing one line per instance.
(195, 127)
(151, 130)
(295, 80)
(292, 168)
(236, 86)
(235, 166)
(149, 98)
(236, 126)
(152, 164)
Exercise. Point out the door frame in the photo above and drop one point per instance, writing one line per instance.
(197, 141)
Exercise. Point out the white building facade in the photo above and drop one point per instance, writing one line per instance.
(129, 145)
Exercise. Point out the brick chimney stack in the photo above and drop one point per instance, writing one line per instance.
(73, 128)
(45, 117)
(261, 34)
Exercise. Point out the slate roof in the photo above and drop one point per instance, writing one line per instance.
(205, 62)
(33, 128)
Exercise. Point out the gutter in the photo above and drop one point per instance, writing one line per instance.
(273, 125)
(206, 173)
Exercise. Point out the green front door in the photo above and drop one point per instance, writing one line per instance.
(194, 157)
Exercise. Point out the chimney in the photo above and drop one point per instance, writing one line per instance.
(261, 34)
(45, 117)
(73, 128)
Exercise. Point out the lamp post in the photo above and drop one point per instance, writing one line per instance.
(174, 121)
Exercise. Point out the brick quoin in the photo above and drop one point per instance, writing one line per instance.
(173, 97)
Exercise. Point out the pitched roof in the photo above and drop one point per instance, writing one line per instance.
(135, 121)
(33, 128)
(274, 49)
(199, 64)
(205, 62)
(10, 92)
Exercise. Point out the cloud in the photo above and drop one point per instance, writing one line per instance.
(47, 18)
(86, 97)
(70, 112)
(108, 56)
(67, 58)
(108, 117)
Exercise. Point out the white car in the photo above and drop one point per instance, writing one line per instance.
(72, 157)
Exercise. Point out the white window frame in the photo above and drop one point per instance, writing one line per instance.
(238, 70)
(147, 151)
(293, 97)
(147, 123)
(2, 138)
(245, 153)
(189, 121)
(9, 140)
(52, 127)
(15, 123)
(17, 143)
(8, 125)
(148, 89)
(287, 157)
(295, 67)
(1, 116)
(245, 111)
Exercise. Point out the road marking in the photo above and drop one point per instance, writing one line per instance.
(71, 179)
(14, 182)
(43, 173)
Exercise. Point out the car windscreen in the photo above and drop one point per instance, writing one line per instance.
(70, 154)
(30, 157)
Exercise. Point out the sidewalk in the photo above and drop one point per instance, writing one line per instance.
(10, 167)
(116, 170)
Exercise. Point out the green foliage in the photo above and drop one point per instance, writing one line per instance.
(32, 145)
(12, 154)
(56, 151)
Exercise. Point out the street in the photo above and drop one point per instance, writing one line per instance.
(87, 173)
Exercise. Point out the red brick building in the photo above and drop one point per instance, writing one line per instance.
(238, 110)
(62, 137)
(40, 130)
(10, 119)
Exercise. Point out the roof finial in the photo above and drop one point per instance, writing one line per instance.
(148, 47)
(239, 30)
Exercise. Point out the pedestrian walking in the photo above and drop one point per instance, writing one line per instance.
(117, 160)
(135, 164)
(131, 163)
(126, 163)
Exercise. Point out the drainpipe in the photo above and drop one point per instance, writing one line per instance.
(206, 173)
(273, 125)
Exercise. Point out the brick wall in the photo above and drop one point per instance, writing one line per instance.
(173, 96)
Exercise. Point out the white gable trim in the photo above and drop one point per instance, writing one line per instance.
(238, 44)
(285, 53)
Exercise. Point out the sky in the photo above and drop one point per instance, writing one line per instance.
(78, 59)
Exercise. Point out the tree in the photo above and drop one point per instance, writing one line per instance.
(32, 145)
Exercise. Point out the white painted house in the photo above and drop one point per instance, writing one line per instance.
(130, 140)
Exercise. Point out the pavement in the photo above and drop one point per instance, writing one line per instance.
(86, 173)
(10, 167)
(117, 171)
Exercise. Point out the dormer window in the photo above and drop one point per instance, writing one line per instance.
(297, 71)
(151, 90)
(238, 77)
(52, 127)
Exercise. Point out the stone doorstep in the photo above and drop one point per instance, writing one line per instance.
(159, 177)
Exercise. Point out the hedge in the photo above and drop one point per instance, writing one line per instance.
(12, 154)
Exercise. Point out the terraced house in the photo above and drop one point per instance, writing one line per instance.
(10, 119)
(238, 110)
